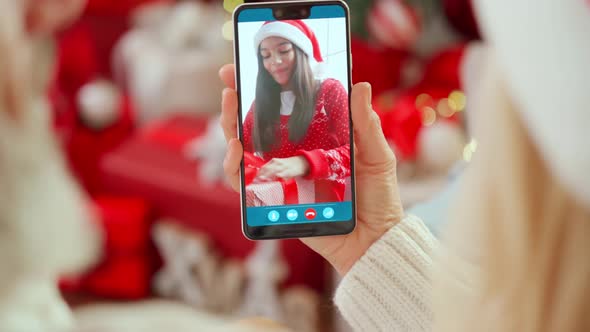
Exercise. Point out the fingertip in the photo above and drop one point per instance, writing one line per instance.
(224, 69)
(363, 88)
(361, 104)
(226, 74)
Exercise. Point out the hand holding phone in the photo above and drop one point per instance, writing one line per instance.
(379, 207)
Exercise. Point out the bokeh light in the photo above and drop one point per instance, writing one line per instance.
(230, 5)
(458, 100)
(469, 150)
(227, 30)
(444, 108)
(428, 116)
(423, 100)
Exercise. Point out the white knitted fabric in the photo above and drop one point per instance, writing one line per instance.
(389, 288)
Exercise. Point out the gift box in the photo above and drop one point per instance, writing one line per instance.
(126, 224)
(152, 165)
(128, 257)
(120, 276)
(293, 191)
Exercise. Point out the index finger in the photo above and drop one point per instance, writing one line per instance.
(227, 74)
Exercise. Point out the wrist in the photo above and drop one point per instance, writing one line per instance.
(366, 239)
(304, 165)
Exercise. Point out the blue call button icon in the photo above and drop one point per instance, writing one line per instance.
(328, 213)
(292, 215)
(274, 216)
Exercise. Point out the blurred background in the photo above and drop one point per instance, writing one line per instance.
(135, 98)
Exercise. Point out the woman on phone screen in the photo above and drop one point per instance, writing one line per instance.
(298, 124)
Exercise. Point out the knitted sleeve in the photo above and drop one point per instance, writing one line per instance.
(248, 130)
(332, 164)
(388, 289)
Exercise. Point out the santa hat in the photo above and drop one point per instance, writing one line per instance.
(297, 32)
(549, 77)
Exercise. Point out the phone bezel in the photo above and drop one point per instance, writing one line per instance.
(304, 229)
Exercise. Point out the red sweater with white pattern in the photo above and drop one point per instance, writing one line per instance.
(326, 145)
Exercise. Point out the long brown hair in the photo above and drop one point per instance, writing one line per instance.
(268, 102)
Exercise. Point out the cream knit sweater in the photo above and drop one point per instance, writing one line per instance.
(389, 288)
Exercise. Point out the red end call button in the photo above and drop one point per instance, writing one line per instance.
(310, 214)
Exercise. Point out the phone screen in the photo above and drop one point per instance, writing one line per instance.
(293, 79)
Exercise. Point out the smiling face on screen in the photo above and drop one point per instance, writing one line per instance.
(278, 57)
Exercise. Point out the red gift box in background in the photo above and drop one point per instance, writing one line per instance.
(128, 257)
(127, 222)
(152, 165)
(121, 277)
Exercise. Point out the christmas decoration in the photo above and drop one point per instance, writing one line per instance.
(120, 277)
(210, 150)
(127, 261)
(423, 124)
(291, 191)
(301, 308)
(171, 66)
(126, 223)
(182, 254)
(367, 57)
(100, 104)
(265, 270)
(194, 273)
(101, 126)
(393, 23)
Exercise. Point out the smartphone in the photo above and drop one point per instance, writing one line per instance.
(293, 77)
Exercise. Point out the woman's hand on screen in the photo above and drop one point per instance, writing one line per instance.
(378, 204)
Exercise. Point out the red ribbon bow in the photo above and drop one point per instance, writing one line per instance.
(252, 164)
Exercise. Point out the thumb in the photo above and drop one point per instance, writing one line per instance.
(373, 148)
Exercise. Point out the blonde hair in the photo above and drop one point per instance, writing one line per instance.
(532, 237)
